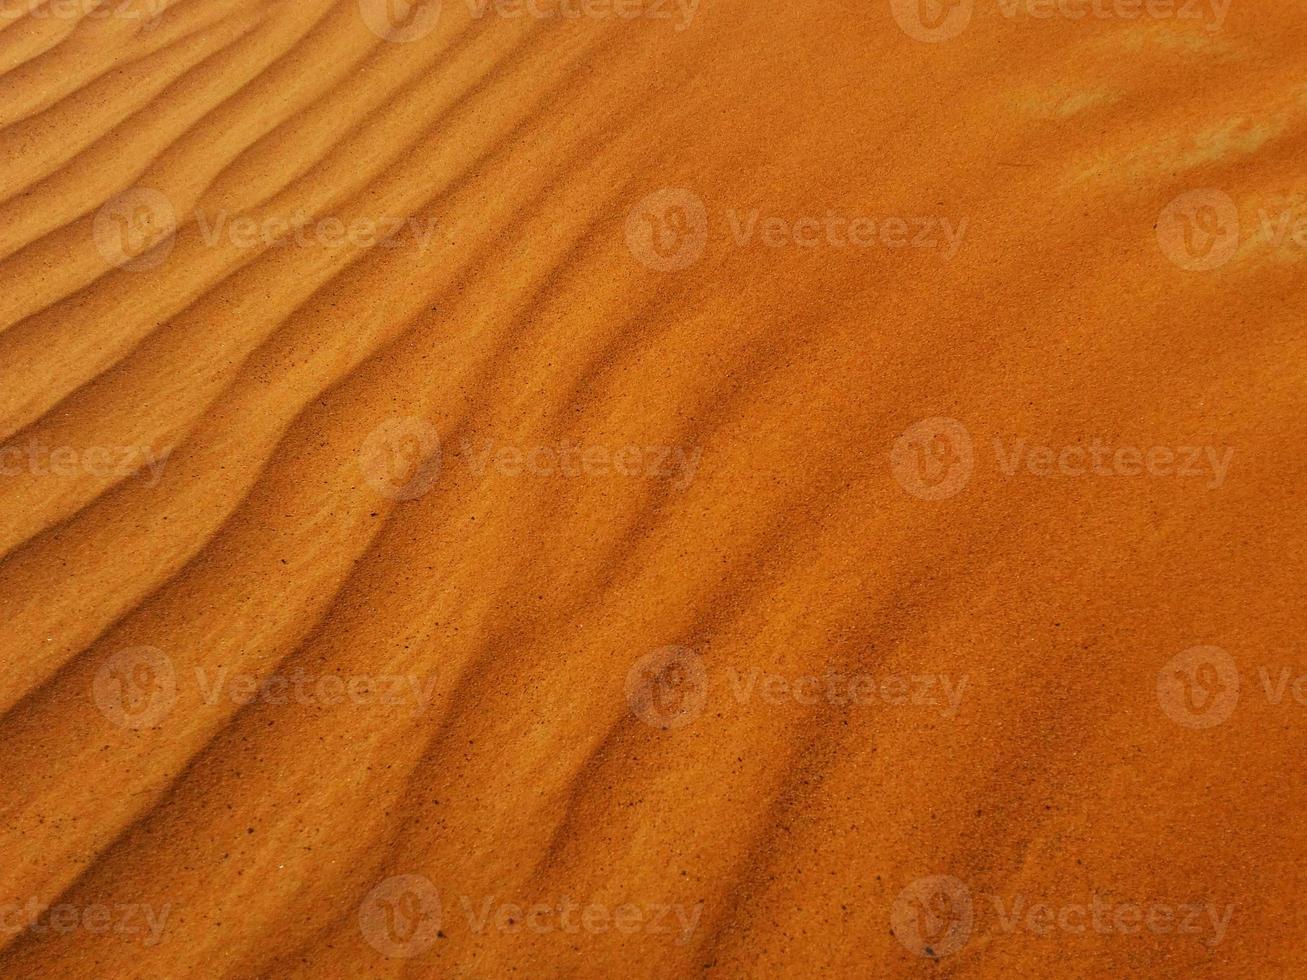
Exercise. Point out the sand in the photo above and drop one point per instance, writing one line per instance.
(651, 489)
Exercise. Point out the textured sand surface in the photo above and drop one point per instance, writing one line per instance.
(746, 489)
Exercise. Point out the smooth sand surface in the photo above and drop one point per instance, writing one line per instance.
(745, 489)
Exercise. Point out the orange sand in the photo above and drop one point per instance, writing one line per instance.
(735, 489)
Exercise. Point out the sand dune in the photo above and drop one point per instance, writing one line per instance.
(651, 488)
